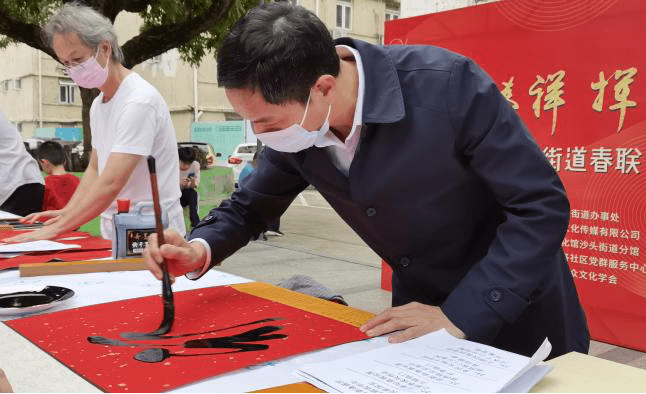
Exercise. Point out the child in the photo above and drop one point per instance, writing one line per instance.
(59, 185)
(189, 180)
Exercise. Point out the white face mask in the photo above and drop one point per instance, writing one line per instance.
(296, 138)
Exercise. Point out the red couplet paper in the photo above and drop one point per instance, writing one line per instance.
(92, 247)
(64, 335)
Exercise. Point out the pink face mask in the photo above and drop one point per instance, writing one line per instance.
(89, 74)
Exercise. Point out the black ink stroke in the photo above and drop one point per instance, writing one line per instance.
(238, 342)
(149, 336)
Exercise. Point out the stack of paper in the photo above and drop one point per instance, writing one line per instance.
(15, 249)
(433, 362)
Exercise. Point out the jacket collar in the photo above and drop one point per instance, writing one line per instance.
(383, 99)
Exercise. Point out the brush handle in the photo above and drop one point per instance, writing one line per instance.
(159, 228)
(167, 292)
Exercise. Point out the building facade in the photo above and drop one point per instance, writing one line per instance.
(35, 91)
(411, 8)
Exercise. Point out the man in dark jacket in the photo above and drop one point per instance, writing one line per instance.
(417, 150)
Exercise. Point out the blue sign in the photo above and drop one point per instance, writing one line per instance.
(62, 133)
(69, 133)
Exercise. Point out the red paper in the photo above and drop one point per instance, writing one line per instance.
(113, 368)
(74, 255)
(92, 247)
(86, 240)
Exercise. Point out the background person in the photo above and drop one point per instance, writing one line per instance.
(22, 186)
(189, 180)
(248, 169)
(274, 227)
(129, 121)
(59, 185)
(418, 151)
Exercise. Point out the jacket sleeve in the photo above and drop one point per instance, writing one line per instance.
(264, 195)
(494, 142)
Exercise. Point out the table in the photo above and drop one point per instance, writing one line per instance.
(32, 370)
(96, 288)
(573, 373)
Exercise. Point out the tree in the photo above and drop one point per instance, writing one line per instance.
(194, 27)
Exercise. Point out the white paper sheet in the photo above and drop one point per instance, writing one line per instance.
(36, 246)
(8, 215)
(433, 362)
(278, 372)
(99, 287)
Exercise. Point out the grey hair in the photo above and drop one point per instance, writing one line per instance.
(91, 27)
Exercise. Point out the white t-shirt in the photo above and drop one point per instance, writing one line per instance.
(136, 121)
(17, 167)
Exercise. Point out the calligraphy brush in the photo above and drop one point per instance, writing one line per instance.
(167, 292)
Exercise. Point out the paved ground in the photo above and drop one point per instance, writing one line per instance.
(319, 244)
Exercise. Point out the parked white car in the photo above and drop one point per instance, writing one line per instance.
(240, 157)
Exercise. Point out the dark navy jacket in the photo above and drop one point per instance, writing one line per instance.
(448, 186)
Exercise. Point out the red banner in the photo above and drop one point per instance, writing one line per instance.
(571, 69)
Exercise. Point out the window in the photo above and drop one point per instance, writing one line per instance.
(344, 14)
(393, 8)
(67, 92)
(17, 84)
(6, 85)
(391, 15)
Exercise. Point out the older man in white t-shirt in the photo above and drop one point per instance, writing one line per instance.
(22, 186)
(129, 121)
(143, 128)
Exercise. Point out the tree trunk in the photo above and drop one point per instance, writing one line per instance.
(87, 97)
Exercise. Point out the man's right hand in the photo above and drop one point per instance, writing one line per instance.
(182, 257)
(48, 217)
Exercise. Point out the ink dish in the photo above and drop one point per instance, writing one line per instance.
(26, 300)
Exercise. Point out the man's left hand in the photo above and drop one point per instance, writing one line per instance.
(411, 320)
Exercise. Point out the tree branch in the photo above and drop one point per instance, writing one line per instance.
(134, 5)
(159, 39)
(112, 8)
(27, 33)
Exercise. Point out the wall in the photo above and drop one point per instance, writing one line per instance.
(421, 7)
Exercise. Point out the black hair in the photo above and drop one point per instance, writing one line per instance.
(186, 154)
(279, 49)
(51, 151)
